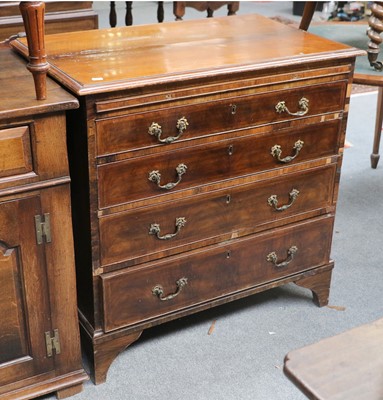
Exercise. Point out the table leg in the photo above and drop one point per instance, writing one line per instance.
(378, 129)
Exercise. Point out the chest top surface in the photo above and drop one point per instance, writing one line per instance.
(106, 60)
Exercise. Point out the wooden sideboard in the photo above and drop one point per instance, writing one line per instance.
(60, 16)
(205, 160)
(39, 335)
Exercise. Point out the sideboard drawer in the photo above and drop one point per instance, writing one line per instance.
(223, 214)
(15, 151)
(128, 180)
(133, 296)
(33, 151)
(132, 132)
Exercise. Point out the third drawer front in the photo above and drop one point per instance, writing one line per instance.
(154, 290)
(169, 172)
(167, 228)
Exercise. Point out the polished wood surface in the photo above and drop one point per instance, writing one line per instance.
(251, 109)
(37, 280)
(129, 57)
(21, 98)
(346, 366)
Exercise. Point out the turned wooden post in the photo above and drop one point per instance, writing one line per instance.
(33, 17)
(308, 13)
(375, 23)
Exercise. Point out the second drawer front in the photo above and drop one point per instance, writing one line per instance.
(133, 296)
(125, 237)
(126, 181)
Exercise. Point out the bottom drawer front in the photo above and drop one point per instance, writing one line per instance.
(158, 288)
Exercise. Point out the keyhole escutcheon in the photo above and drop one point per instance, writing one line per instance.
(230, 150)
(233, 109)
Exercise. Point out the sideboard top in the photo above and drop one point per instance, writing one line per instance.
(111, 59)
(17, 90)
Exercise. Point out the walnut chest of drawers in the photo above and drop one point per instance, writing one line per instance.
(205, 160)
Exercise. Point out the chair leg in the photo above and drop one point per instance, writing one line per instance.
(308, 13)
(378, 129)
(160, 11)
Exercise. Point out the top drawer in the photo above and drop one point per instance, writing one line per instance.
(15, 151)
(201, 117)
(33, 151)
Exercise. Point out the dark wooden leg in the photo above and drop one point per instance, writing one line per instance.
(378, 129)
(69, 391)
(128, 14)
(33, 18)
(178, 9)
(160, 12)
(232, 8)
(112, 14)
(105, 352)
(308, 13)
(375, 23)
(319, 284)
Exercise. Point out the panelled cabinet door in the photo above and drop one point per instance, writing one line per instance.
(24, 299)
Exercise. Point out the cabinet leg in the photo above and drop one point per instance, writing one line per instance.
(104, 354)
(69, 391)
(319, 283)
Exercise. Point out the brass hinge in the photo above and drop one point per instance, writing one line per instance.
(43, 228)
(52, 343)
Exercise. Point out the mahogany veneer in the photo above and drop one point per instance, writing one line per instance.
(205, 159)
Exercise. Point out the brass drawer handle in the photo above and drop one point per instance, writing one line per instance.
(156, 230)
(273, 200)
(156, 130)
(155, 176)
(273, 258)
(276, 152)
(158, 290)
(303, 105)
